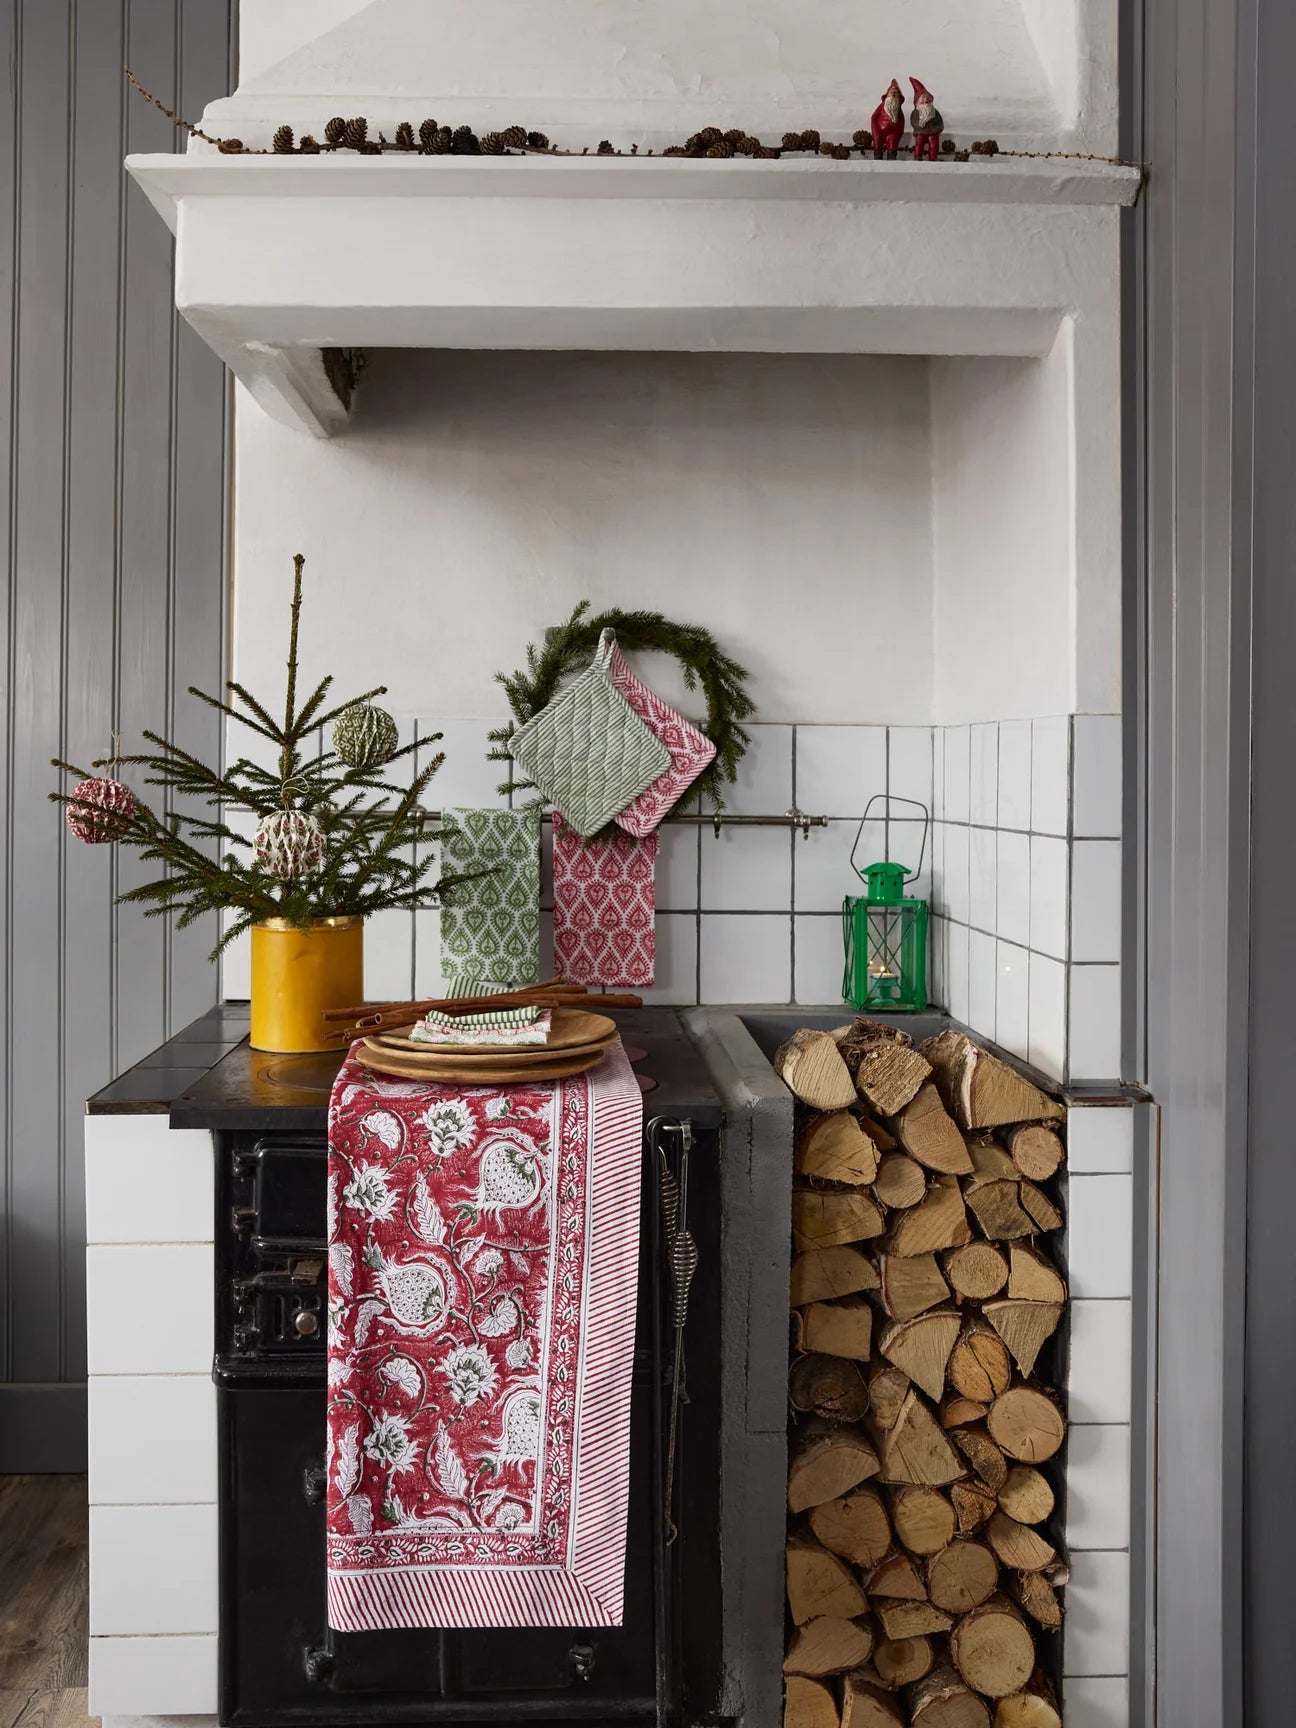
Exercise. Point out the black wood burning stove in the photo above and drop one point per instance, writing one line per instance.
(279, 1661)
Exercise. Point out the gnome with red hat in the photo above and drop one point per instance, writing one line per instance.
(887, 124)
(925, 123)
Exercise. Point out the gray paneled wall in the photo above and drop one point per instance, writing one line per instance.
(113, 422)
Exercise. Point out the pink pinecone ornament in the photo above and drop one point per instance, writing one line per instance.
(289, 845)
(100, 810)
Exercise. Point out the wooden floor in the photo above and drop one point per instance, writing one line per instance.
(43, 1618)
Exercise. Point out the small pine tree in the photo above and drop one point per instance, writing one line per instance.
(369, 827)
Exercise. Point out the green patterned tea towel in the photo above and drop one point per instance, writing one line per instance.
(588, 752)
(490, 928)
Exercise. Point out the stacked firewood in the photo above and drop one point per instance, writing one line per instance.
(920, 1568)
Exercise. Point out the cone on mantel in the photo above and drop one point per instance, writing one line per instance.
(924, 1565)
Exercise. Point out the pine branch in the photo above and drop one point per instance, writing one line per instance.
(270, 730)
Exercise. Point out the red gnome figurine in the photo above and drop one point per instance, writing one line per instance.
(887, 124)
(925, 122)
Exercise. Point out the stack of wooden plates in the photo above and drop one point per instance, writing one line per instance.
(577, 1041)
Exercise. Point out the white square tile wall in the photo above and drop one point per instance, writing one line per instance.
(1009, 866)
(1016, 865)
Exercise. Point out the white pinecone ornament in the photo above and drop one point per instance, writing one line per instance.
(365, 736)
(289, 845)
(100, 810)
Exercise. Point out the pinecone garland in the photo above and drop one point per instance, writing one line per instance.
(335, 130)
(283, 141)
(493, 144)
(100, 810)
(515, 137)
(537, 140)
(464, 142)
(355, 132)
(443, 142)
(427, 132)
(404, 136)
(309, 146)
(289, 845)
(720, 149)
(365, 736)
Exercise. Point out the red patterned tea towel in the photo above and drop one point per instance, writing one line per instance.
(483, 1245)
(604, 919)
(690, 750)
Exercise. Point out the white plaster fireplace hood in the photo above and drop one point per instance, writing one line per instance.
(279, 258)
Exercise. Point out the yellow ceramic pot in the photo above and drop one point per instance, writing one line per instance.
(297, 974)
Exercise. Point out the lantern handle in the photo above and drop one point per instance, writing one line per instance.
(888, 799)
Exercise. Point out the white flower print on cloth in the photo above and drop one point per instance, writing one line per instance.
(400, 1371)
(479, 1352)
(386, 1126)
(471, 1374)
(368, 1192)
(450, 1125)
(388, 1443)
(502, 1318)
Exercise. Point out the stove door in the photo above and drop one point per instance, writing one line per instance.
(279, 1662)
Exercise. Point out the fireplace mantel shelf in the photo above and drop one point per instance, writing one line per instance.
(279, 258)
(1050, 181)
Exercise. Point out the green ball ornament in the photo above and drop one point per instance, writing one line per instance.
(365, 736)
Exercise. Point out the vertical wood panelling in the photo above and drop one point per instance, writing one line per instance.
(36, 657)
(113, 426)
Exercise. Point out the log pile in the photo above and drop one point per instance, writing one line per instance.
(923, 1573)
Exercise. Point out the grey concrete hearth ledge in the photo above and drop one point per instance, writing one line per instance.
(756, 1190)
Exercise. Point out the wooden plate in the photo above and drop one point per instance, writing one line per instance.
(532, 1056)
(569, 1029)
(388, 1062)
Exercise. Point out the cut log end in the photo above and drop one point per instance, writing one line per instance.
(942, 1700)
(976, 1272)
(827, 1464)
(819, 1583)
(811, 1067)
(929, 1134)
(1037, 1150)
(900, 1181)
(820, 1274)
(827, 1646)
(835, 1148)
(856, 1527)
(924, 1520)
(901, 1661)
(808, 1703)
(1026, 1423)
(992, 1648)
(829, 1386)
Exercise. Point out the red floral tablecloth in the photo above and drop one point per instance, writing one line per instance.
(483, 1260)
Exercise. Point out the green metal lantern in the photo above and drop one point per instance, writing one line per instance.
(885, 932)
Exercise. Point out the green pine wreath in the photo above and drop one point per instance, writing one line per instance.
(569, 648)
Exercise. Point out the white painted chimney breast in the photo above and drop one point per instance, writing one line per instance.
(648, 71)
